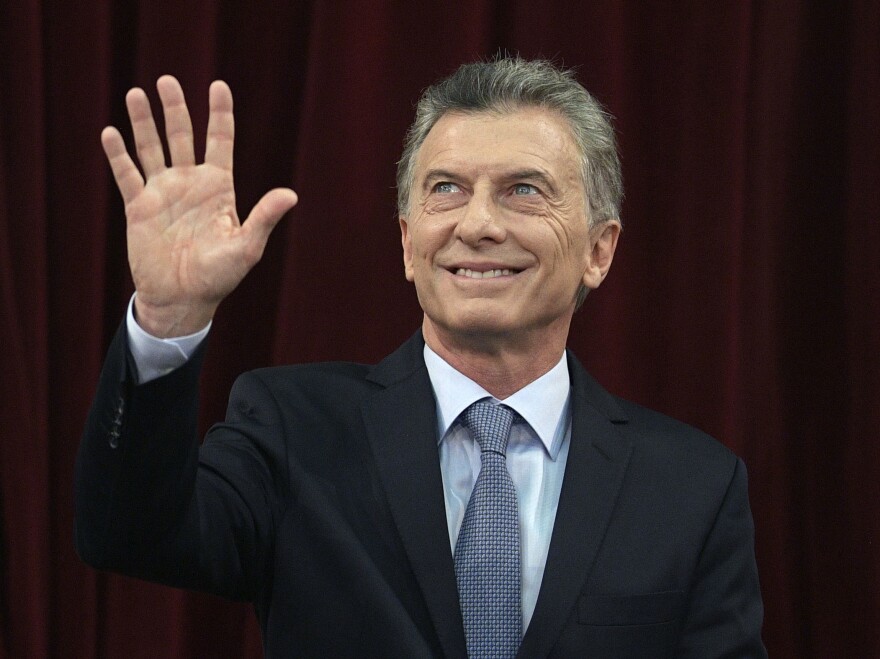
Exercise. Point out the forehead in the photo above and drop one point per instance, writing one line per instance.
(525, 138)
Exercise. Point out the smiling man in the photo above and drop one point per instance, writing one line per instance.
(498, 241)
(476, 493)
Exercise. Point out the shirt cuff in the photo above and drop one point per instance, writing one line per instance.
(155, 357)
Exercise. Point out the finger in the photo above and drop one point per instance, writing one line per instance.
(128, 178)
(146, 139)
(264, 217)
(221, 126)
(178, 125)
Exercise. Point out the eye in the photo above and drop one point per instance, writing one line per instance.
(524, 189)
(445, 187)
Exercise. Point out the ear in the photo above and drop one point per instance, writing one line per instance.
(603, 242)
(406, 242)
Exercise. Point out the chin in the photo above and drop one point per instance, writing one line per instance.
(476, 325)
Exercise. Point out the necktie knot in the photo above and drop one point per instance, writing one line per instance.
(490, 425)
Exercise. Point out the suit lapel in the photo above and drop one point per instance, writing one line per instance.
(401, 423)
(597, 460)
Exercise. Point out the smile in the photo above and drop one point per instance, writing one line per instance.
(488, 274)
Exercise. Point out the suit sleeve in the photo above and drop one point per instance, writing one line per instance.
(725, 611)
(150, 503)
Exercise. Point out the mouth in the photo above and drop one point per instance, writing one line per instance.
(484, 274)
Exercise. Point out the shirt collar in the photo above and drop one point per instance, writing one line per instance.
(541, 403)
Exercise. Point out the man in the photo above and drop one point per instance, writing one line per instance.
(474, 493)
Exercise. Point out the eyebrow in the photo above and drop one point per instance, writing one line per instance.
(532, 175)
(518, 175)
(438, 174)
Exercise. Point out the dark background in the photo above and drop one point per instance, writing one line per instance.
(744, 296)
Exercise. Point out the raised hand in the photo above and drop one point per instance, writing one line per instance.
(187, 248)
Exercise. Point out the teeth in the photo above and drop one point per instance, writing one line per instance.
(476, 274)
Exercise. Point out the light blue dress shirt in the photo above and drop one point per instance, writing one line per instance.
(536, 456)
(536, 452)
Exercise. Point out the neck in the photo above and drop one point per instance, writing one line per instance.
(502, 366)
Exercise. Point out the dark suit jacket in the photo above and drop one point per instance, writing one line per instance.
(319, 499)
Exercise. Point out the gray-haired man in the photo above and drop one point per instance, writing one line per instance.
(334, 496)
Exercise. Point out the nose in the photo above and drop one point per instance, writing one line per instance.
(481, 220)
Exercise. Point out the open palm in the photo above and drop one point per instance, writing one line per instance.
(187, 248)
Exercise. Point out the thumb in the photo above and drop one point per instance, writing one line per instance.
(266, 214)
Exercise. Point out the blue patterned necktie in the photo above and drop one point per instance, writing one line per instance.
(487, 563)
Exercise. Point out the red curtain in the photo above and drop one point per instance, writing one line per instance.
(745, 297)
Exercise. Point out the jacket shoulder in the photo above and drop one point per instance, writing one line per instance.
(648, 429)
(338, 379)
(678, 445)
(319, 386)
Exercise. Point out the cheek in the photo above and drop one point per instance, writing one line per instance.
(430, 236)
(561, 248)
(553, 239)
(572, 241)
(423, 254)
(569, 222)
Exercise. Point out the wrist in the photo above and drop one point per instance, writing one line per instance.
(172, 320)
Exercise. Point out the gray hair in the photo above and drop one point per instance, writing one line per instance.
(505, 85)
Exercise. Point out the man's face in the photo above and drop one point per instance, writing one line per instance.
(497, 239)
